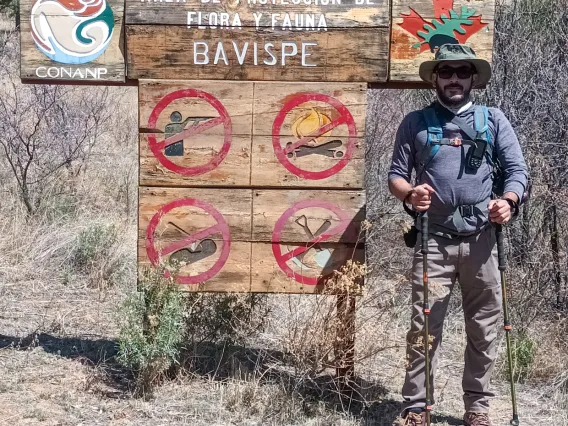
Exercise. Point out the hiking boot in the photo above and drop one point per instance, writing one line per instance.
(477, 419)
(412, 419)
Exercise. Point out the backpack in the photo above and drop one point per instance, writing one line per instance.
(479, 137)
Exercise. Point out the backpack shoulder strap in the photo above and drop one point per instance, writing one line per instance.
(481, 124)
(435, 136)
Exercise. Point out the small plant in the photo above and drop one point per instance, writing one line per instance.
(93, 244)
(224, 318)
(95, 255)
(151, 329)
(524, 349)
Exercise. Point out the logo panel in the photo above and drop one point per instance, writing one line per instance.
(72, 31)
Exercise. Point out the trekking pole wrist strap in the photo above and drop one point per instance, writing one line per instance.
(514, 207)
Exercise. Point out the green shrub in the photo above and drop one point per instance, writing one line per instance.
(523, 349)
(151, 329)
(224, 318)
(96, 255)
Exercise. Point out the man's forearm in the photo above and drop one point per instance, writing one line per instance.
(399, 188)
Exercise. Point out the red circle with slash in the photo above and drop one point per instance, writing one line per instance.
(282, 259)
(158, 147)
(345, 117)
(154, 255)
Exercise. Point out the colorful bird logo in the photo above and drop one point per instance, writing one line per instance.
(72, 31)
(448, 25)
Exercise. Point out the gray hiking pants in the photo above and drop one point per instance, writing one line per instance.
(473, 261)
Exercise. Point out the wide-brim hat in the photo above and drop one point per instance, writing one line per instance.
(457, 52)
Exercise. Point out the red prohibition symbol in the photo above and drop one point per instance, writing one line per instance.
(221, 226)
(283, 258)
(159, 147)
(345, 117)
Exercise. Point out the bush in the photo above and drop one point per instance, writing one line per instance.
(523, 349)
(96, 255)
(224, 318)
(151, 329)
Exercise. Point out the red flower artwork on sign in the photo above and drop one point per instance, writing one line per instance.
(448, 26)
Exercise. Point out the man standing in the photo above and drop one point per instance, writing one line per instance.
(454, 146)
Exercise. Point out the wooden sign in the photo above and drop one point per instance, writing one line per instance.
(308, 135)
(202, 235)
(72, 40)
(195, 133)
(302, 236)
(420, 27)
(262, 134)
(292, 241)
(308, 40)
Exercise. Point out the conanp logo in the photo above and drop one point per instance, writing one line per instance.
(72, 31)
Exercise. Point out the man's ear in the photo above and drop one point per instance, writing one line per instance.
(433, 79)
(474, 79)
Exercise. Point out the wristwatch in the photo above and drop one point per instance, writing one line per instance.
(514, 207)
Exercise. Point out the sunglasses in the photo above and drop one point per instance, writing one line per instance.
(461, 72)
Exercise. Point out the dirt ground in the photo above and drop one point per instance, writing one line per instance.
(56, 368)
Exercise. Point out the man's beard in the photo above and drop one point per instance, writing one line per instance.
(457, 101)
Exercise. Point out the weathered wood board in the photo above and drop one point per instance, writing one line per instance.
(219, 237)
(302, 236)
(176, 52)
(245, 131)
(294, 216)
(206, 232)
(72, 41)
(217, 120)
(260, 13)
(418, 27)
(311, 275)
(283, 154)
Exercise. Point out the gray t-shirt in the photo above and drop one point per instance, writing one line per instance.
(454, 183)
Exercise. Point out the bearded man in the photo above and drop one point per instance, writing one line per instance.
(455, 146)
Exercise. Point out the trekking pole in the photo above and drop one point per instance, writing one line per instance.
(426, 309)
(508, 327)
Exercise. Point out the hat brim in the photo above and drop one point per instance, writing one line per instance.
(481, 65)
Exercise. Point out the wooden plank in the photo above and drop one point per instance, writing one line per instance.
(296, 277)
(414, 35)
(175, 52)
(311, 168)
(333, 160)
(234, 276)
(208, 230)
(429, 9)
(291, 216)
(217, 120)
(234, 205)
(235, 98)
(217, 14)
(272, 99)
(55, 26)
(187, 169)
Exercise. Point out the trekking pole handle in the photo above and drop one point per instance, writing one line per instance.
(500, 246)
(424, 231)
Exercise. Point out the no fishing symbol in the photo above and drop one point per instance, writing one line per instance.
(190, 248)
(181, 129)
(323, 257)
(310, 131)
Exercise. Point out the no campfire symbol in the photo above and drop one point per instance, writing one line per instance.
(312, 131)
